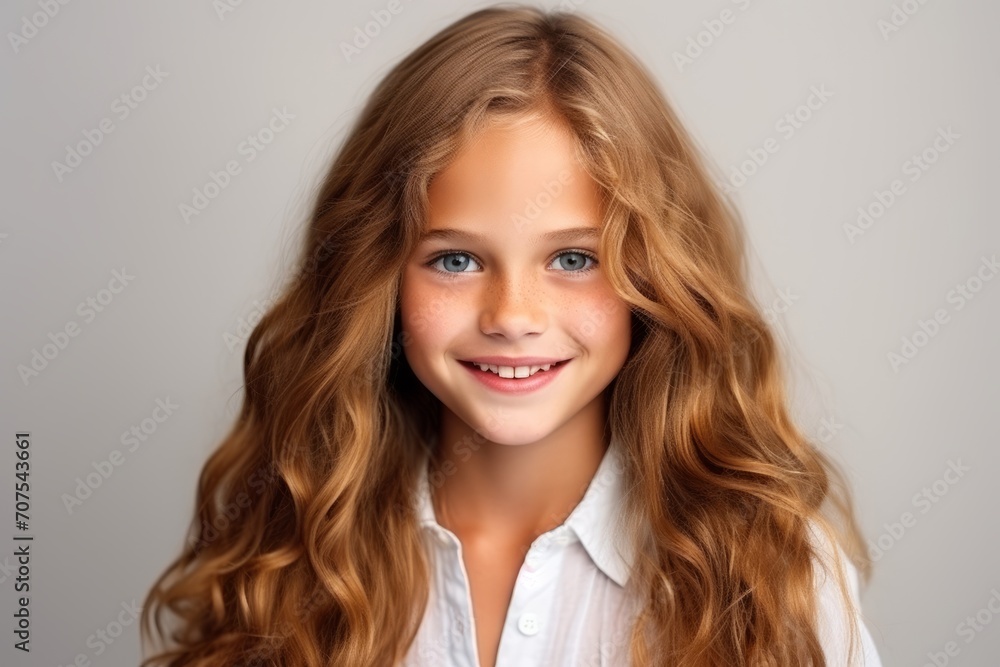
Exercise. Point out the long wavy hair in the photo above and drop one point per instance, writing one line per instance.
(305, 549)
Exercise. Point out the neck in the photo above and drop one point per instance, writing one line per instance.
(515, 492)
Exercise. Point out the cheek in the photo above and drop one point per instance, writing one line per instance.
(428, 311)
(604, 322)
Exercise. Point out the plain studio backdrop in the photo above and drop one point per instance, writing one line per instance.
(858, 139)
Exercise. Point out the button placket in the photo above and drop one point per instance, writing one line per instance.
(533, 560)
(528, 621)
(531, 581)
(533, 599)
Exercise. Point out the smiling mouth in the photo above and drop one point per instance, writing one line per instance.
(514, 372)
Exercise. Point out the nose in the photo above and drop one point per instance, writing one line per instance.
(513, 306)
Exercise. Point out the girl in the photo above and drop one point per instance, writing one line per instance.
(517, 406)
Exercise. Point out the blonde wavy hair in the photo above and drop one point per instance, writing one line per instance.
(305, 549)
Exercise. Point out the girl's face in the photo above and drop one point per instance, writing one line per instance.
(508, 267)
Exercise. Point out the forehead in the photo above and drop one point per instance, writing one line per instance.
(524, 175)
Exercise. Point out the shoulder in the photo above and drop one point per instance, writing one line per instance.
(836, 614)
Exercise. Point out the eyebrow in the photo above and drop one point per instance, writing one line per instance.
(562, 235)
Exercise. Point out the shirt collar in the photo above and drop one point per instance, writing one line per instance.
(595, 521)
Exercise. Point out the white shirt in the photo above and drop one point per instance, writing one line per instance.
(569, 607)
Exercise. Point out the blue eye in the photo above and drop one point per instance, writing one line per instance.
(578, 259)
(455, 262)
(451, 262)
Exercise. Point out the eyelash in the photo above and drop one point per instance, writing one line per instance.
(451, 275)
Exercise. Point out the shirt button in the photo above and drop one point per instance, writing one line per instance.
(528, 623)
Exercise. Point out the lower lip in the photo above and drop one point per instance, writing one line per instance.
(515, 385)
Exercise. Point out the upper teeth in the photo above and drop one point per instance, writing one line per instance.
(513, 371)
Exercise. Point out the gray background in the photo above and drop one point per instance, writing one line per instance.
(846, 306)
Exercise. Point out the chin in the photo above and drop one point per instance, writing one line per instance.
(513, 432)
